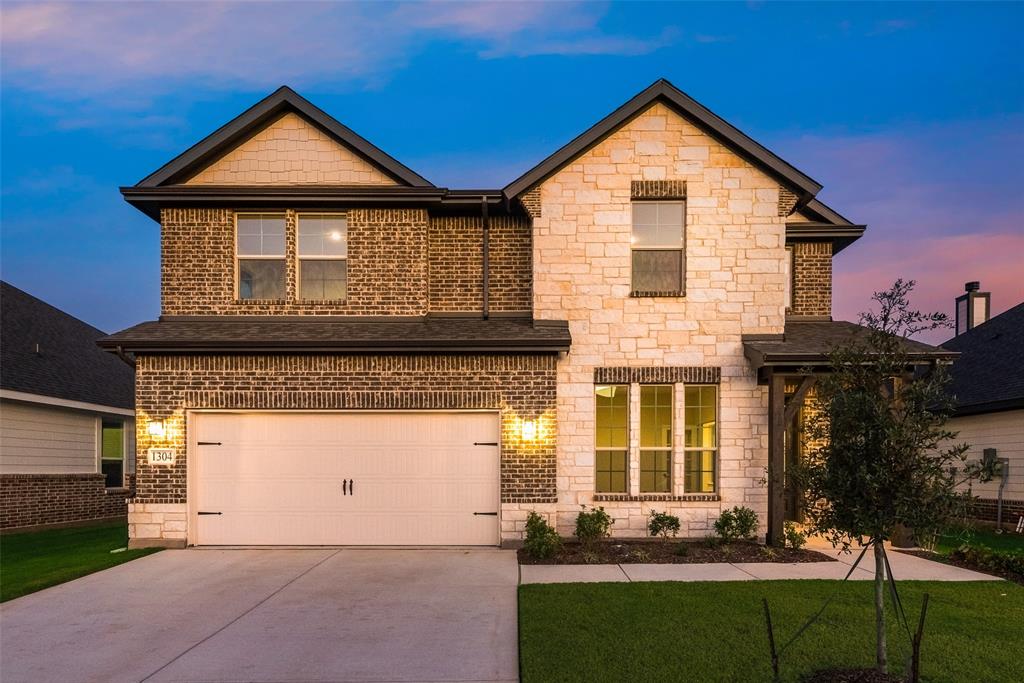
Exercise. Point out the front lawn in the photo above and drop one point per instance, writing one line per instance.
(951, 540)
(715, 631)
(36, 560)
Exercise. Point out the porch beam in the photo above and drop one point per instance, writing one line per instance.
(797, 400)
(776, 458)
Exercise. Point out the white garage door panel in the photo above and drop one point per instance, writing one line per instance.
(276, 478)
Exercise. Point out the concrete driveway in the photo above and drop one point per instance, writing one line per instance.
(272, 615)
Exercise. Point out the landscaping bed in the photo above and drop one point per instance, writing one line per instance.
(653, 551)
(971, 560)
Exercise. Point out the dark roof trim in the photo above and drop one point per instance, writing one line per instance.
(339, 346)
(989, 407)
(150, 200)
(840, 237)
(761, 359)
(663, 91)
(257, 117)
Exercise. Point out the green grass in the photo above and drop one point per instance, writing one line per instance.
(952, 540)
(715, 631)
(36, 560)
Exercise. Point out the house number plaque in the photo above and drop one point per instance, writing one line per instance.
(161, 456)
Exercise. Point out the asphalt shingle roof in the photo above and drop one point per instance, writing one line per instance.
(68, 364)
(306, 334)
(989, 374)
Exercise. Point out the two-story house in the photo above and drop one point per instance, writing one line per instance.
(347, 354)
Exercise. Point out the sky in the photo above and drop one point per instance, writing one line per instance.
(910, 115)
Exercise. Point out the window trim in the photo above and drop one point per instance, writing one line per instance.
(238, 257)
(700, 449)
(299, 258)
(627, 448)
(681, 291)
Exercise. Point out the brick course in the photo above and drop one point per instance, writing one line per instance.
(40, 499)
(812, 279)
(520, 386)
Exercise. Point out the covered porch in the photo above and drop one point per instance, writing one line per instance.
(790, 364)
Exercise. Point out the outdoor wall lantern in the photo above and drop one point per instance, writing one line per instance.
(528, 430)
(156, 429)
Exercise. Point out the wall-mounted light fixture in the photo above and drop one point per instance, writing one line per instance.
(156, 429)
(528, 430)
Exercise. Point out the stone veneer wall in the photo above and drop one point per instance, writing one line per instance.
(812, 279)
(735, 278)
(520, 386)
(456, 264)
(55, 499)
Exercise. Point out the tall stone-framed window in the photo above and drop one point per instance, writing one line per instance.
(323, 256)
(656, 406)
(657, 247)
(700, 441)
(260, 255)
(612, 438)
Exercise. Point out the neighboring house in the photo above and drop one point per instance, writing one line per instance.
(988, 386)
(67, 427)
(347, 354)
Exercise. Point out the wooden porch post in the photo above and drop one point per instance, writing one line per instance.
(776, 458)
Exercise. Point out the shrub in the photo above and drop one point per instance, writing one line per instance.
(795, 538)
(711, 541)
(769, 553)
(542, 541)
(985, 558)
(682, 550)
(640, 555)
(662, 524)
(739, 522)
(592, 526)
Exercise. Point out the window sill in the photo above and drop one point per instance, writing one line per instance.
(652, 295)
(657, 497)
(260, 302)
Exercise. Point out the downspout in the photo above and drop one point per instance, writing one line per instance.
(486, 256)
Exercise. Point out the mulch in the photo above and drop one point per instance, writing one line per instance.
(851, 676)
(648, 551)
(945, 559)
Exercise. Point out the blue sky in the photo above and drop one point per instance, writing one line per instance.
(911, 115)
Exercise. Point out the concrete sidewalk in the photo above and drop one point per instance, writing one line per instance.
(904, 567)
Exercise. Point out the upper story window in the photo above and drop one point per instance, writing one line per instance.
(657, 246)
(261, 255)
(323, 253)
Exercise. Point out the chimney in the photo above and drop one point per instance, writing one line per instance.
(972, 307)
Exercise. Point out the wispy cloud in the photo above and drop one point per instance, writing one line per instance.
(942, 205)
(85, 48)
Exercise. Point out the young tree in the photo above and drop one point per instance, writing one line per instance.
(878, 454)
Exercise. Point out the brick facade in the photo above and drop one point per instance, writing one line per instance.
(812, 279)
(521, 387)
(456, 264)
(54, 499)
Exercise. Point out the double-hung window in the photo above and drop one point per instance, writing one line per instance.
(112, 452)
(657, 247)
(701, 438)
(612, 432)
(323, 253)
(655, 438)
(261, 255)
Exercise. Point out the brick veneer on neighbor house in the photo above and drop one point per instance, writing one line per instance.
(812, 279)
(53, 499)
(519, 386)
(735, 281)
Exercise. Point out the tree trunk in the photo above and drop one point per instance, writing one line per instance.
(880, 658)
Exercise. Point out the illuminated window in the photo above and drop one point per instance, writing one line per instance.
(655, 438)
(323, 257)
(112, 453)
(700, 404)
(612, 438)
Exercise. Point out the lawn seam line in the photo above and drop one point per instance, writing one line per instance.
(235, 620)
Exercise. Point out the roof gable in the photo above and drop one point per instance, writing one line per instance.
(663, 91)
(264, 116)
(291, 151)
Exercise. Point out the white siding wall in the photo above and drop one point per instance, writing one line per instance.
(1004, 432)
(38, 439)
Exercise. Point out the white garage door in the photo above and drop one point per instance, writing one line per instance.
(345, 478)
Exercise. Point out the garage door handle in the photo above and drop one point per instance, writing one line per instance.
(209, 513)
(344, 487)
(489, 514)
(485, 443)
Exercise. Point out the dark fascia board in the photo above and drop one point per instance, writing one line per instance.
(150, 200)
(468, 346)
(661, 90)
(258, 116)
(990, 407)
(840, 236)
